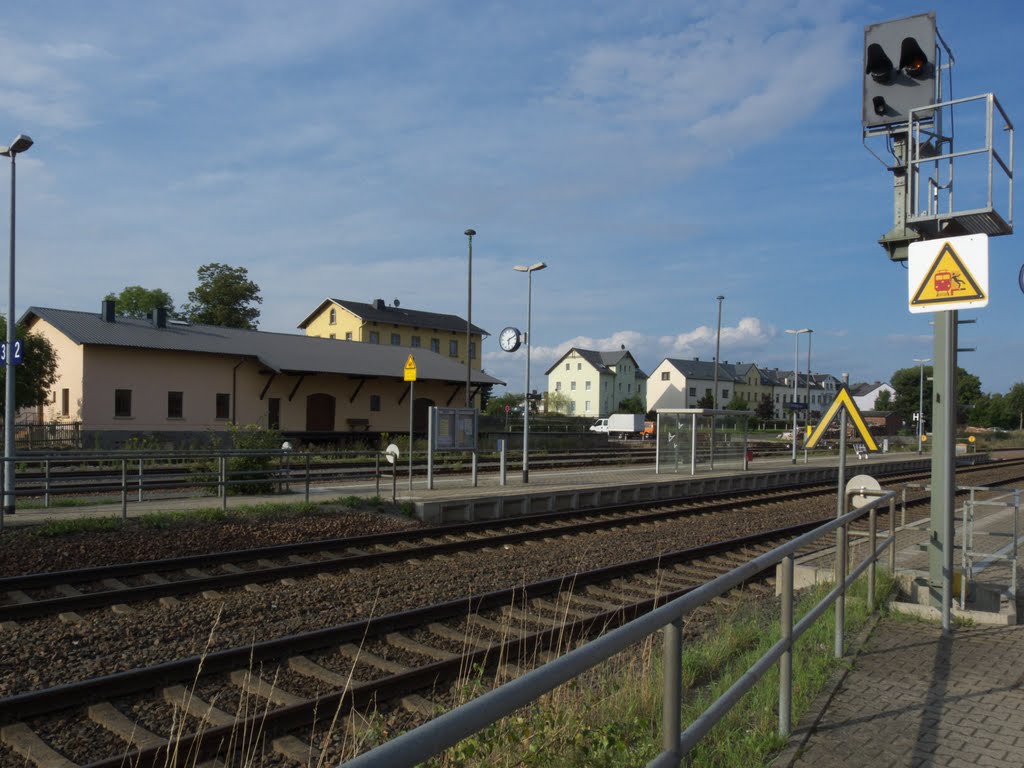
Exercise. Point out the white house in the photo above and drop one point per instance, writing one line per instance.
(596, 382)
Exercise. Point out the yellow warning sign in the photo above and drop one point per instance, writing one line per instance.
(948, 274)
(410, 369)
(843, 400)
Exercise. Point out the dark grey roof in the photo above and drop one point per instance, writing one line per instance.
(704, 370)
(278, 351)
(863, 388)
(380, 312)
(602, 361)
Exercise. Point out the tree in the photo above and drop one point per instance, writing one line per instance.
(136, 301)
(632, 404)
(225, 296)
(765, 411)
(35, 376)
(706, 402)
(737, 404)
(907, 383)
(558, 402)
(884, 400)
(1015, 402)
(496, 405)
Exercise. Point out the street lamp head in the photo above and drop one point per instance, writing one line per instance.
(801, 330)
(532, 268)
(922, 361)
(20, 144)
(720, 298)
(469, 232)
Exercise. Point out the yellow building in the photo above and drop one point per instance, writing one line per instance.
(394, 325)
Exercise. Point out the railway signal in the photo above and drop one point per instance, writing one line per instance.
(899, 69)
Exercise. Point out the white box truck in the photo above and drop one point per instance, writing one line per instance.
(621, 425)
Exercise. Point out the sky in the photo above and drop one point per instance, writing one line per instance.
(654, 155)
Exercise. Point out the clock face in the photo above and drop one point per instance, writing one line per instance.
(509, 339)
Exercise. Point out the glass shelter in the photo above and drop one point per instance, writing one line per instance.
(694, 439)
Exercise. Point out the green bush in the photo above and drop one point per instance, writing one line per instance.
(252, 475)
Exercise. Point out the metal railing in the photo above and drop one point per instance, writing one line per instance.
(449, 729)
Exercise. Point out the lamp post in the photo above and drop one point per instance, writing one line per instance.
(469, 312)
(529, 343)
(796, 363)
(920, 404)
(807, 413)
(20, 144)
(718, 341)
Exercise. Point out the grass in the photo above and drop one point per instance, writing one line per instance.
(610, 717)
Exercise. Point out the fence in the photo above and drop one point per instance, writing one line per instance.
(58, 434)
(439, 734)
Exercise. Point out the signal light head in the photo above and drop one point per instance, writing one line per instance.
(878, 65)
(878, 105)
(913, 61)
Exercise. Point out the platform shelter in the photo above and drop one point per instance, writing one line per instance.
(701, 439)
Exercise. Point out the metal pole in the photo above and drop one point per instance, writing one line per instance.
(124, 489)
(892, 534)
(920, 405)
(807, 412)
(9, 404)
(718, 340)
(796, 362)
(842, 453)
(526, 397)
(673, 692)
(469, 313)
(872, 532)
(940, 549)
(786, 660)
(307, 478)
(412, 386)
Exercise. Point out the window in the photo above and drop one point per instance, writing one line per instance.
(415, 341)
(396, 339)
(725, 394)
(707, 392)
(558, 386)
(374, 337)
(333, 335)
(374, 402)
(472, 350)
(579, 366)
(435, 345)
(453, 348)
(175, 405)
(273, 412)
(334, 316)
(586, 406)
(223, 406)
(664, 375)
(587, 387)
(348, 335)
(65, 402)
(567, 366)
(122, 403)
(572, 386)
(693, 391)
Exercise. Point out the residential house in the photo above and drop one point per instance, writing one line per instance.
(865, 395)
(122, 376)
(596, 382)
(679, 383)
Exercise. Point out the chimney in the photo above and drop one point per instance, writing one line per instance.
(378, 304)
(107, 310)
(159, 317)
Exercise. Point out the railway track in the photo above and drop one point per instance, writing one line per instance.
(305, 681)
(67, 592)
(292, 687)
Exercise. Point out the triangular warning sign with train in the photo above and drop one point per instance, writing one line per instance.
(948, 273)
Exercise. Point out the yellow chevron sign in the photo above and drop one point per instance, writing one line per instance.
(843, 400)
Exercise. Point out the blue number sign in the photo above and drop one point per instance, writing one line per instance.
(16, 358)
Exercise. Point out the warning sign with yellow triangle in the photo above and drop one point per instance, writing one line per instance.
(949, 273)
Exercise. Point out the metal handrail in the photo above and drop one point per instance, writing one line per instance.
(449, 729)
